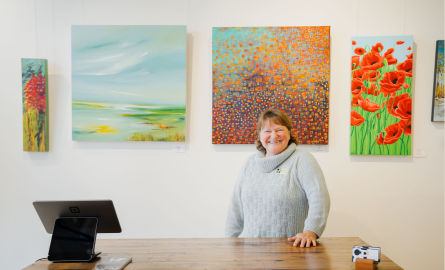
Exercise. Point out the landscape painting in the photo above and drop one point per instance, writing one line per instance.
(259, 68)
(35, 109)
(381, 95)
(128, 82)
(437, 114)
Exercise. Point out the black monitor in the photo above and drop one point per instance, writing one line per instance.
(74, 225)
(49, 211)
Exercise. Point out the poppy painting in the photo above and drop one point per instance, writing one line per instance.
(35, 109)
(259, 68)
(381, 95)
(128, 82)
(437, 114)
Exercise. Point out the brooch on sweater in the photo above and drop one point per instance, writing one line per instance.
(281, 171)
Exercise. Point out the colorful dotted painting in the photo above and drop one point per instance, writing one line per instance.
(259, 68)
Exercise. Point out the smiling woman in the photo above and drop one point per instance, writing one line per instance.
(280, 191)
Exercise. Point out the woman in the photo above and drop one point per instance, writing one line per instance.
(280, 191)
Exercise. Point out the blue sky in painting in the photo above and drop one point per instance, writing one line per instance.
(400, 51)
(141, 64)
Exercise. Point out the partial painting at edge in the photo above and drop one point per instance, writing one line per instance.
(35, 109)
(437, 114)
(259, 68)
(128, 82)
(381, 95)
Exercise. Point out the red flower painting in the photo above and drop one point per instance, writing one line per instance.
(406, 66)
(355, 62)
(358, 73)
(356, 86)
(369, 106)
(381, 96)
(377, 48)
(391, 82)
(405, 126)
(359, 51)
(392, 134)
(356, 118)
(372, 61)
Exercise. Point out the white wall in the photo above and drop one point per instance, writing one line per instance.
(388, 201)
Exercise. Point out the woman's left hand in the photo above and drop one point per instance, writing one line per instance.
(305, 238)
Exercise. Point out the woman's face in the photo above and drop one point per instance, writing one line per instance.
(274, 138)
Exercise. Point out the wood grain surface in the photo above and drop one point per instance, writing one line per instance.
(225, 253)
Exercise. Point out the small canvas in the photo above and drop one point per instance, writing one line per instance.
(128, 82)
(260, 68)
(437, 114)
(35, 108)
(381, 95)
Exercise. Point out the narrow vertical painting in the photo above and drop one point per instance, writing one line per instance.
(381, 95)
(259, 68)
(35, 109)
(128, 83)
(437, 114)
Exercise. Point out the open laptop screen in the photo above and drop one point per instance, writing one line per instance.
(73, 236)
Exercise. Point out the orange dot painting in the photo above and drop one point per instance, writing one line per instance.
(284, 68)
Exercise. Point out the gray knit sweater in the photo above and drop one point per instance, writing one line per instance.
(278, 196)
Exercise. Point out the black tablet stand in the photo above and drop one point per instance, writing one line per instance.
(73, 239)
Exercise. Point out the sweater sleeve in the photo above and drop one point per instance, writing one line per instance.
(235, 215)
(312, 179)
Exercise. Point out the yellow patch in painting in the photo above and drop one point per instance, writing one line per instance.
(91, 104)
(103, 129)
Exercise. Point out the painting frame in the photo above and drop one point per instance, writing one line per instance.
(35, 105)
(437, 115)
(284, 68)
(129, 82)
(381, 95)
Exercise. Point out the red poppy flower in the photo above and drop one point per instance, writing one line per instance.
(354, 43)
(372, 61)
(400, 42)
(393, 133)
(356, 118)
(358, 73)
(390, 59)
(392, 81)
(404, 108)
(406, 66)
(369, 106)
(400, 106)
(409, 48)
(377, 48)
(405, 125)
(356, 99)
(389, 51)
(372, 90)
(359, 51)
(356, 61)
(356, 86)
(409, 56)
(372, 76)
(378, 115)
(405, 85)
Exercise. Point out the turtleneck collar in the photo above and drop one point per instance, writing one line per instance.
(268, 164)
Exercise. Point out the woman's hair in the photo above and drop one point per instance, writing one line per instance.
(278, 117)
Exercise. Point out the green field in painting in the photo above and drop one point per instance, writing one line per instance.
(102, 121)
